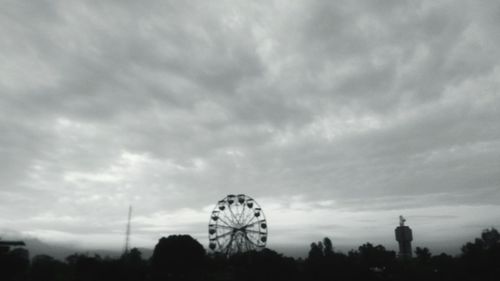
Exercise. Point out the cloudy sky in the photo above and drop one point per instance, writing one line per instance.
(336, 116)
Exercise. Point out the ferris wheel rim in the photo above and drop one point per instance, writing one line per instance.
(238, 230)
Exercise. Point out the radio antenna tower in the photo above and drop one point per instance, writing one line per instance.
(127, 234)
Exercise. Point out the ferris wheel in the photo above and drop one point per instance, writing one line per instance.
(237, 224)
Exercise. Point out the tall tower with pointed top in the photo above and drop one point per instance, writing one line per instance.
(404, 236)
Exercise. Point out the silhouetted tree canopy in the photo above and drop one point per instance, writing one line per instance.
(45, 268)
(423, 255)
(482, 255)
(14, 264)
(376, 256)
(180, 257)
(177, 257)
(328, 247)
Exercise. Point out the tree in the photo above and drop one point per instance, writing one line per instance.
(263, 265)
(314, 262)
(178, 257)
(84, 267)
(423, 255)
(328, 249)
(481, 258)
(316, 252)
(45, 268)
(133, 266)
(323, 263)
(445, 267)
(490, 237)
(376, 256)
(14, 264)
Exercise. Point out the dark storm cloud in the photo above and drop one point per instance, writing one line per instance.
(344, 106)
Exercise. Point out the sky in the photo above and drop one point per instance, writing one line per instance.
(335, 116)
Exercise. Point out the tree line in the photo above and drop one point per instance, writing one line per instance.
(180, 257)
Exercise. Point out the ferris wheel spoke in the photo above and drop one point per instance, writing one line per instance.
(248, 217)
(230, 216)
(229, 219)
(255, 231)
(233, 215)
(223, 235)
(242, 212)
(253, 237)
(249, 240)
(247, 223)
(225, 226)
(225, 222)
(253, 223)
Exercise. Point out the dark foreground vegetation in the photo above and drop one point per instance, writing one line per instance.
(180, 257)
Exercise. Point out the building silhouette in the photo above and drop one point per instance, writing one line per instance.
(6, 245)
(404, 236)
